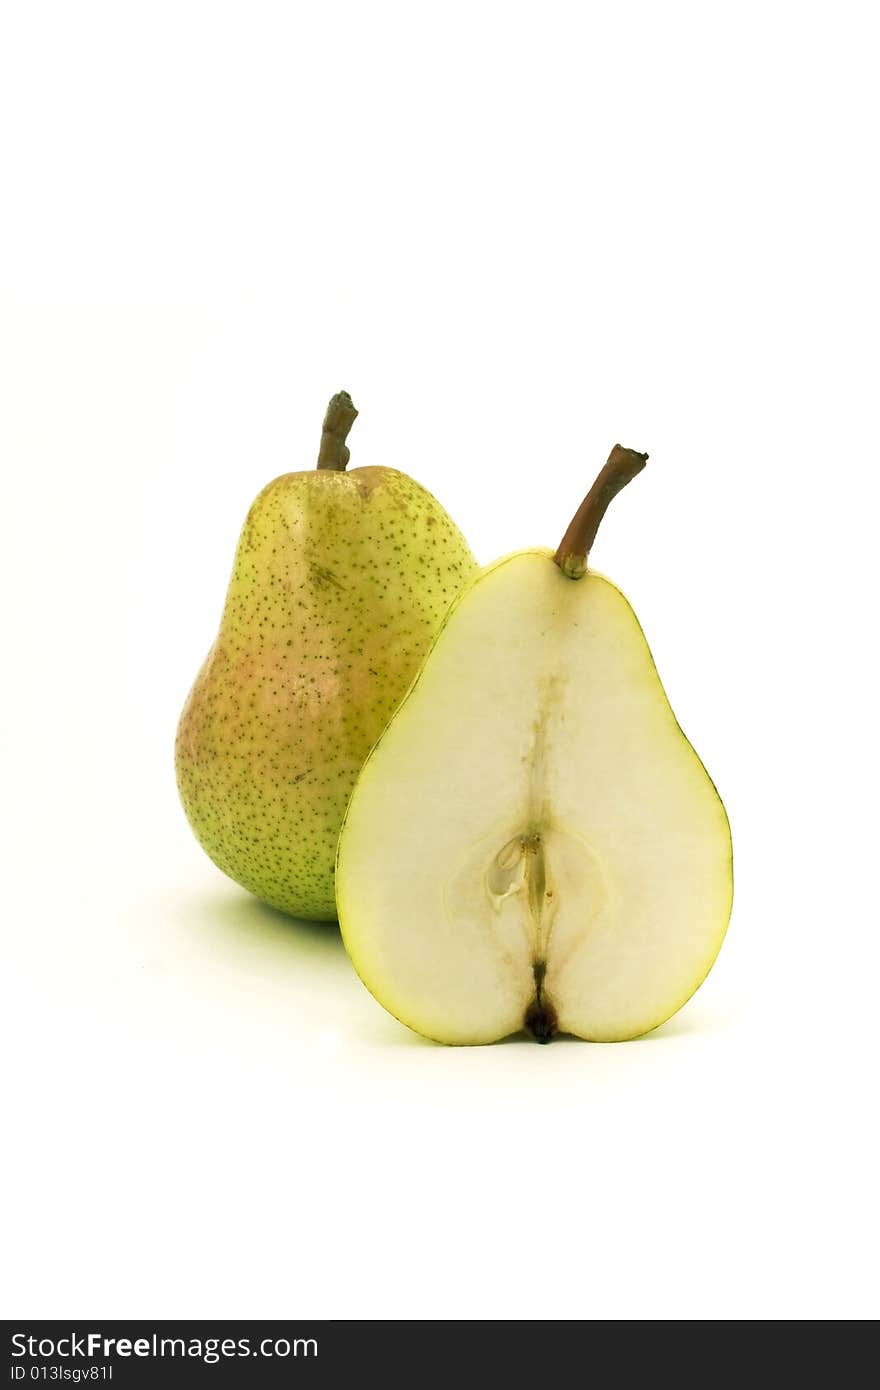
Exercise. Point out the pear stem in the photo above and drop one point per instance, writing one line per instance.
(341, 415)
(574, 548)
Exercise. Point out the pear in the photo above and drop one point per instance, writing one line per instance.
(533, 843)
(341, 581)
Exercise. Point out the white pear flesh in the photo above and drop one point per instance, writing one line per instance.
(533, 836)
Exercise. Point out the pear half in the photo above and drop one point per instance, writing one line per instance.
(533, 843)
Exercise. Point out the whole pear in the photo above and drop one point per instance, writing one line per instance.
(341, 582)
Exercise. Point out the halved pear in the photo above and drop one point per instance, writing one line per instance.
(533, 843)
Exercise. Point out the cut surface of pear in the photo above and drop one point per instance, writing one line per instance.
(341, 581)
(533, 843)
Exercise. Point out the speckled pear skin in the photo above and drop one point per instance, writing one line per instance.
(341, 581)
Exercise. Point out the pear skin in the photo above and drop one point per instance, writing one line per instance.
(340, 583)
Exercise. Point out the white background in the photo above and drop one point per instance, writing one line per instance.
(516, 233)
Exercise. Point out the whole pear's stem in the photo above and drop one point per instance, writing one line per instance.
(341, 415)
(621, 468)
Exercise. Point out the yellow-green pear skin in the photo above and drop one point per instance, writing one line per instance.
(341, 581)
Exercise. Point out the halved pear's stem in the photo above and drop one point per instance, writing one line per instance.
(621, 468)
(341, 415)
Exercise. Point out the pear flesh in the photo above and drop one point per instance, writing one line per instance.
(533, 843)
(341, 581)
